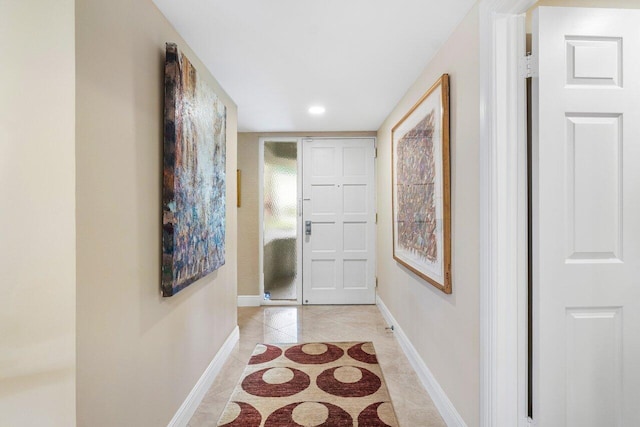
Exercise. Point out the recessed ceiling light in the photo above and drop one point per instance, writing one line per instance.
(316, 110)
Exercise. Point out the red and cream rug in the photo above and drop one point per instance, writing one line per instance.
(316, 384)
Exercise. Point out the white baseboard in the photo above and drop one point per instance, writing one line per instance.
(249, 300)
(448, 412)
(189, 406)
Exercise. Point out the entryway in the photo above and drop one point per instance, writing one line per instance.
(317, 219)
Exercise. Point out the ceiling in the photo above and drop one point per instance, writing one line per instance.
(276, 58)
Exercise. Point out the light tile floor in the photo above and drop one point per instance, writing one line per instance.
(292, 324)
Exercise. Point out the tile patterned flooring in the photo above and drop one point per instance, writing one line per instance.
(271, 324)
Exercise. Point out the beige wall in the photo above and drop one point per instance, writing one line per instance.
(37, 214)
(248, 244)
(248, 213)
(138, 354)
(443, 328)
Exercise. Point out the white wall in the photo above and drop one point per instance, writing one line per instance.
(139, 354)
(443, 328)
(37, 213)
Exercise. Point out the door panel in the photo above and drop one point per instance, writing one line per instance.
(594, 377)
(593, 193)
(586, 217)
(338, 199)
(355, 199)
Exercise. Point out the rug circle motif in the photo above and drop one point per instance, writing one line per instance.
(314, 348)
(377, 415)
(363, 352)
(257, 385)
(347, 374)
(247, 415)
(269, 353)
(278, 376)
(368, 384)
(288, 416)
(310, 414)
(307, 354)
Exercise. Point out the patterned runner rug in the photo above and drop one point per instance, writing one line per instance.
(316, 384)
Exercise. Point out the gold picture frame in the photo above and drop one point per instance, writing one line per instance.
(239, 187)
(421, 188)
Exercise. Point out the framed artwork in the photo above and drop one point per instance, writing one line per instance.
(421, 188)
(194, 181)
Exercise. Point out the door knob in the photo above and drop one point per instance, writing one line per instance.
(307, 228)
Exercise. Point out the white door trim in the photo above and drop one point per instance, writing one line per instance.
(262, 141)
(503, 215)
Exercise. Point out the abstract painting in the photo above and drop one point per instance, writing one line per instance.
(421, 188)
(193, 196)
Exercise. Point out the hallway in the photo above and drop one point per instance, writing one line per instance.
(271, 324)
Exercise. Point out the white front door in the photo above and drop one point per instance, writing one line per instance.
(586, 217)
(338, 221)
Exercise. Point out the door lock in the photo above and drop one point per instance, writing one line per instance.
(307, 228)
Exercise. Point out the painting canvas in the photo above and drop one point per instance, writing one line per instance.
(193, 237)
(421, 188)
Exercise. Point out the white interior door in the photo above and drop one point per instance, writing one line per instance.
(586, 213)
(339, 208)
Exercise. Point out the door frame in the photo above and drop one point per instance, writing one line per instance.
(503, 215)
(262, 142)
